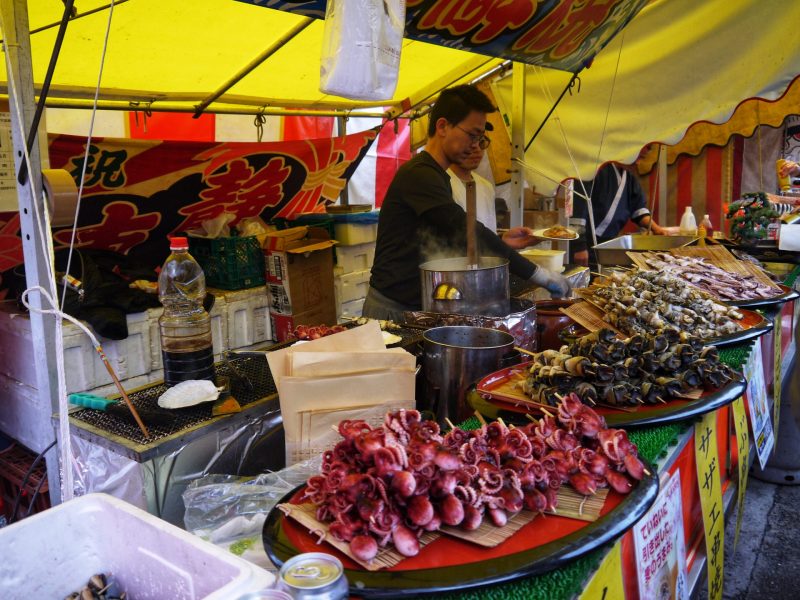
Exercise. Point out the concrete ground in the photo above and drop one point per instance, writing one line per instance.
(766, 563)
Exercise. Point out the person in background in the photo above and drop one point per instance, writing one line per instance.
(420, 221)
(617, 198)
(465, 170)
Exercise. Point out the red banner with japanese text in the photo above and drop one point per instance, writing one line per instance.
(136, 192)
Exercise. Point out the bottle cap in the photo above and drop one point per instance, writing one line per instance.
(178, 243)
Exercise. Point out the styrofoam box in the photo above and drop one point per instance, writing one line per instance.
(247, 313)
(84, 369)
(351, 286)
(355, 258)
(53, 553)
(350, 234)
(352, 310)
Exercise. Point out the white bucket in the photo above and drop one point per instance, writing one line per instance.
(552, 260)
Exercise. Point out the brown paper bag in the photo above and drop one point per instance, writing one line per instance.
(313, 407)
(326, 364)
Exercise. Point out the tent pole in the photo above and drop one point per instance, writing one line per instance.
(516, 207)
(344, 196)
(244, 72)
(31, 422)
(550, 112)
(48, 78)
(178, 107)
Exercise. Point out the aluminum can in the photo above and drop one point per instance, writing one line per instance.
(266, 595)
(313, 576)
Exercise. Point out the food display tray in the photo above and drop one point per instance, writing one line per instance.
(786, 295)
(448, 563)
(498, 395)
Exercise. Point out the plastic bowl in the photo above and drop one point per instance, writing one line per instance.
(552, 260)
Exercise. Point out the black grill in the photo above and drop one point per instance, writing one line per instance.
(238, 371)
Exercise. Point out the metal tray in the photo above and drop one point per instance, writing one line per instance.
(450, 564)
(614, 252)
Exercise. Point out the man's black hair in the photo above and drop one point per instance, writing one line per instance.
(454, 104)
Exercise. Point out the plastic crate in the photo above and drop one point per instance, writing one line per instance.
(357, 228)
(232, 263)
(14, 464)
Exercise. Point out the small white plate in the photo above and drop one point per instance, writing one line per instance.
(540, 234)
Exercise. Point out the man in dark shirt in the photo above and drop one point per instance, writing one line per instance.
(419, 219)
(616, 198)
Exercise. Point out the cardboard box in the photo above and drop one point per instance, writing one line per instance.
(301, 290)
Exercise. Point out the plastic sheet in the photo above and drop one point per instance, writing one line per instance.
(229, 511)
(361, 48)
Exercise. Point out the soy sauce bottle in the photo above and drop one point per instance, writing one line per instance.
(185, 326)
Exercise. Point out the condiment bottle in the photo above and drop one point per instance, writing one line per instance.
(688, 224)
(706, 222)
(185, 326)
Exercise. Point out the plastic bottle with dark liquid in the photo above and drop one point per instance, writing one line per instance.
(185, 326)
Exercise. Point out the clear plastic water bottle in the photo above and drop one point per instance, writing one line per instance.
(185, 326)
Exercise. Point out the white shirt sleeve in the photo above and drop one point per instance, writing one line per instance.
(484, 196)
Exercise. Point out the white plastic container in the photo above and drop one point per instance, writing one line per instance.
(552, 260)
(352, 309)
(53, 553)
(688, 224)
(350, 234)
(351, 286)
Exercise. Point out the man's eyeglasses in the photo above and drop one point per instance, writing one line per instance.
(477, 138)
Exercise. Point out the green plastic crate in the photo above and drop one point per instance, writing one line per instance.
(231, 263)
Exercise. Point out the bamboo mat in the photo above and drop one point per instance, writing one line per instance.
(305, 514)
(571, 504)
(590, 316)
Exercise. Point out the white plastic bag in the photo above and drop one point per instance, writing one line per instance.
(361, 48)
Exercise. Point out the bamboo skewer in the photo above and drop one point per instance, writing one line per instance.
(122, 391)
(449, 423)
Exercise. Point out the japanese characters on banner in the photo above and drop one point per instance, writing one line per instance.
(710, 486)
(660, 546)
(743, 454)
(606, 583)
(136, 192)
(760, 420)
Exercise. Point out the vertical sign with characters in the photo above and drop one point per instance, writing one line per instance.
(660, 546)
(759, 408)
(705, 448)
(606, 583)
(777, 331)
(743, 454)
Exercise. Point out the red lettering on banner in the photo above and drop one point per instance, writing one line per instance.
(238, 189)
(121, 229)
(10, 244)
(565, 28)
(491, 18)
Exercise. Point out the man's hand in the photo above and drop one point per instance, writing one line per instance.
(556, 284)
(581, 258)
(520, 237)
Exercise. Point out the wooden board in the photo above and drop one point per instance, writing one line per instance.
(589, 316)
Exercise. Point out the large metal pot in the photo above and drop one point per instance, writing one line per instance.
(449, 285)
(455, 357)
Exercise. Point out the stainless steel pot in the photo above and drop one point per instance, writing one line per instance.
(449, 285)
(455, 357)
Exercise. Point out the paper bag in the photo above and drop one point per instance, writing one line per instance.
(327, 364)
(312, 407)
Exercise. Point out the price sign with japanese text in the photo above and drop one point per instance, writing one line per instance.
(760, 418)
(660, 546)
(743, 448)
(708, 480)
(606, 583)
